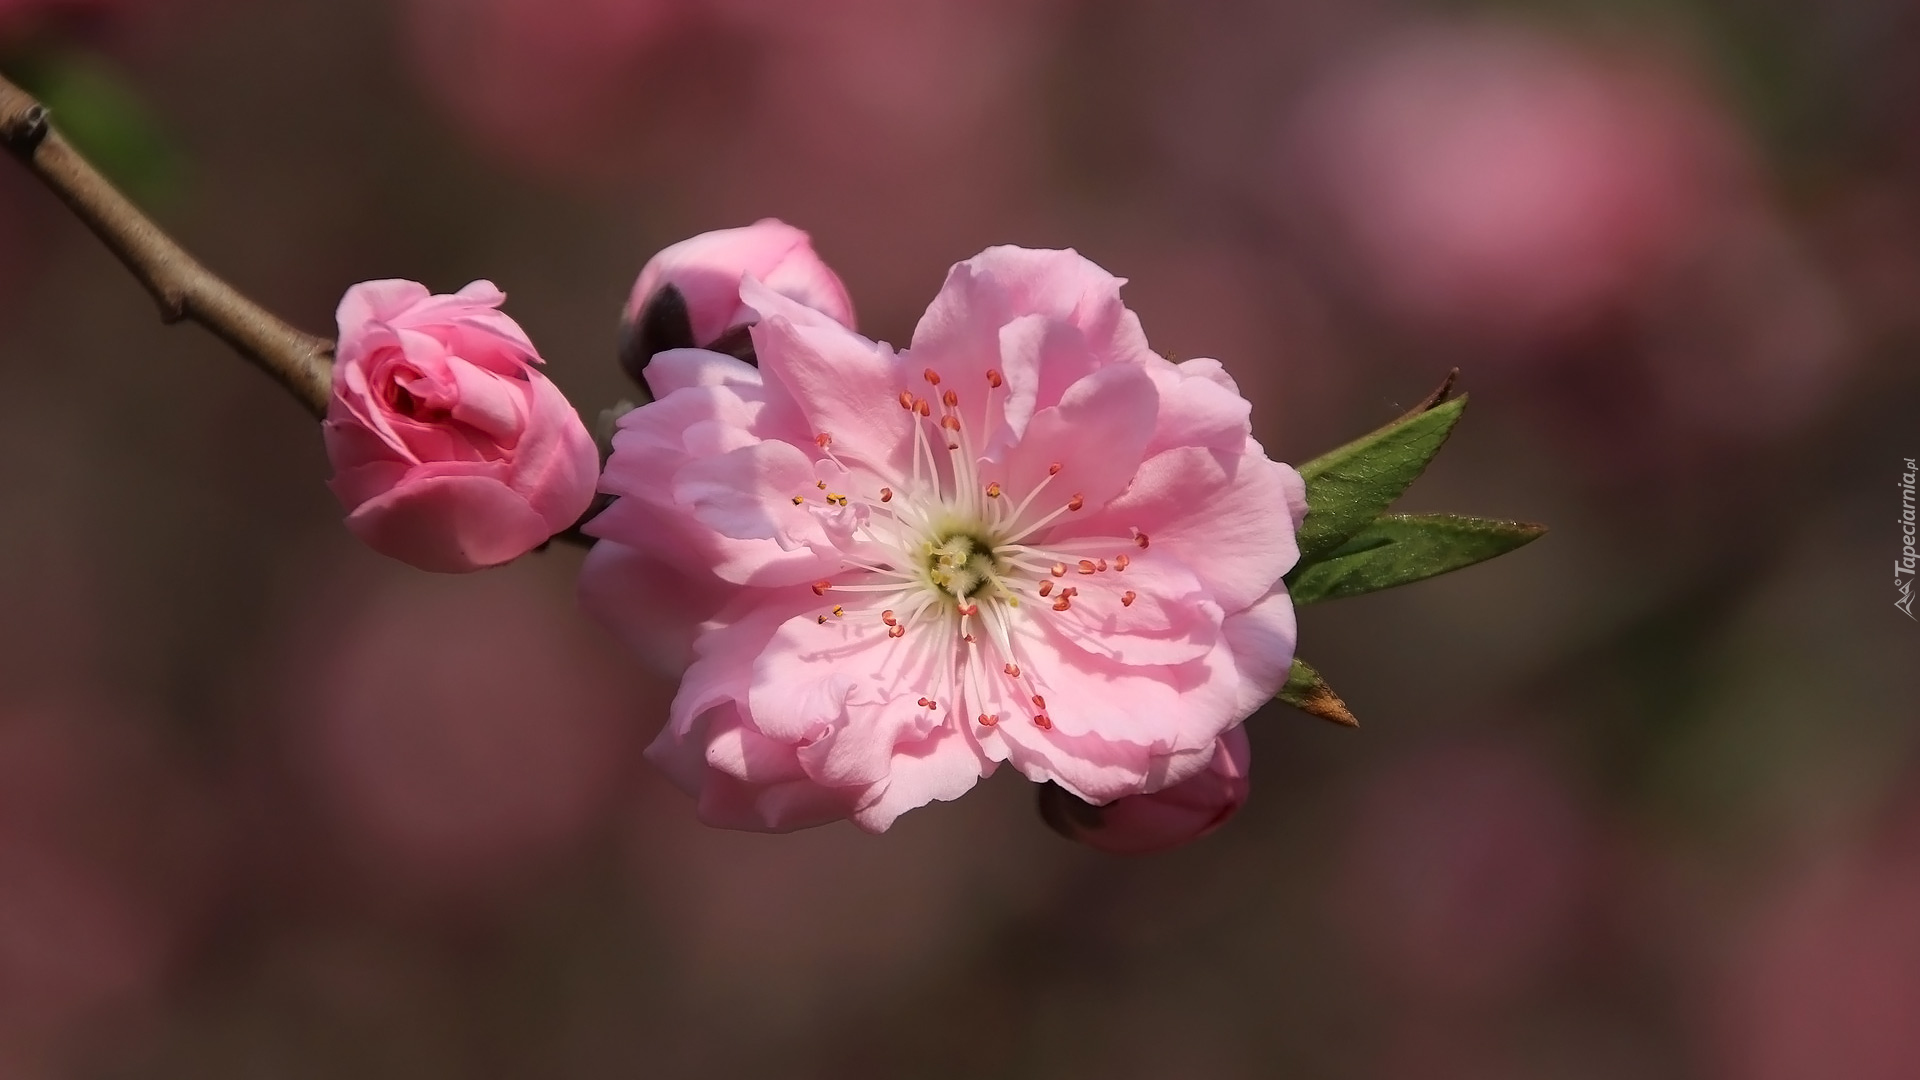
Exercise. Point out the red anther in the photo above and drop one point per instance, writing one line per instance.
(989, 721)
(993, 378)
(1046, 586)
(820, 587)
(1058, 569)
(1069, 592)
(950, 399)
(950, 422)
(1040, 703)
(906, 400)
(1063, 603)
(932, 704)
(993, 490)
(969, 609)
(1120, 562)
(1053, 469)
(1101, 564)
(968, 638)
(898, 631)
(1077, 501)
(823, 440)
(923, 703)
(931, 376)
(886, 494)
(887, 617)
(1043, 722)
(1140, 541)
(1127, 598)
(1012, 669)
(1086, 566)
(920, 406)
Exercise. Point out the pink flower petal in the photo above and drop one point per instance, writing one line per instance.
(449, 524)
(1215, 513)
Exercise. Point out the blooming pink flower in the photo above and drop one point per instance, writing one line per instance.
(450, 452)
(1168, 818)
(1027, 538)
(689, 294)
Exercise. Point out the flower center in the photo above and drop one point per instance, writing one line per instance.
(961, 565)
(944, 552)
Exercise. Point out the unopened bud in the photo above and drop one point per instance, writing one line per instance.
(688, 296)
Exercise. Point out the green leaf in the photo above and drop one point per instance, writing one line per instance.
(1399, 549)
(1348, 488)
(1307, 691)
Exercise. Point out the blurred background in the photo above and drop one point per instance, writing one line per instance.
(1642, 800)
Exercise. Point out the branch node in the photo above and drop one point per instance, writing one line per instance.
(32, 128)
(23, 130)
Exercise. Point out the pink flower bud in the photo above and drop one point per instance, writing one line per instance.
(1143, 824)
(450, 452)
(688, 296)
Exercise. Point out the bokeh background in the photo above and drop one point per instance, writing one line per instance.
(1641, 800)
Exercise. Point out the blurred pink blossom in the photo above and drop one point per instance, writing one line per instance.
(1749, 339)
(1498, 182)
(905, 131)
(1826, 980)
(1027, 538)
(537, 79)
(459, 733)
(1166, 819)
(1464, 871)
(688, 295)
(790, 933)
(450, 452)
(107, 857)
(729, 108)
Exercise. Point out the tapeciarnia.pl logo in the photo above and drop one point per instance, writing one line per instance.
(1903, 567)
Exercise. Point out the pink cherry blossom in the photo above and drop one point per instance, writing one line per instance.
(450, 452)
(1026, 538)
(1143, 824)
(689, 293)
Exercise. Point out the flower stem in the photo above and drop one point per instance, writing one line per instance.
(182, 287)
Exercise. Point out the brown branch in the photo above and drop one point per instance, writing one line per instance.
(183, 288)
